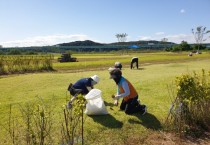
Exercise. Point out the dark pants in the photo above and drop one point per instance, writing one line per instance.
(135, 60)
(73, 91)
(131, 106)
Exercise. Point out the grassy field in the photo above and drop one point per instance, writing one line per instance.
(94, 61)
(157, 72)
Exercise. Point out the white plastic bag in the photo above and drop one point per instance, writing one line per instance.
(95, 104)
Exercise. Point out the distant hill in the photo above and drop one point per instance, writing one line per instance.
(88, 46)
(140, 42)
(91, 43)
(81, 43)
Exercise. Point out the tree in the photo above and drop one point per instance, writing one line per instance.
(1, 46)
(201, 47)
(1, 52)
(14, 52)
(121, 37)
(118, 37)
(184, 46)
(176, 48)
(199, 35)
(164, 40)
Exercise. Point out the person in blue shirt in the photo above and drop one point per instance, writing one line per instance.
(82, 86)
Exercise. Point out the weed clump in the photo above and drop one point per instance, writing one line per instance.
(189, 113)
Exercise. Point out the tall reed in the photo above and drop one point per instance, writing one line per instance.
(25, 63)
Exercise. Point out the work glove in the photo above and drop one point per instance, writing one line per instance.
(69, 105)
(116, 102)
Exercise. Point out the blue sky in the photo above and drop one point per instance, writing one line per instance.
(49, 22)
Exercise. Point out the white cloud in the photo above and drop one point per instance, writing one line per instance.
(144, 38)
(159, 33)
(45, 40)
(176, 38)
(182, 11)
(179, 37)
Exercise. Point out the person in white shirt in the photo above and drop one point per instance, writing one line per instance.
(136, 61)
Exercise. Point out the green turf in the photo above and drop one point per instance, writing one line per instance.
(151, 82)
(92, 61)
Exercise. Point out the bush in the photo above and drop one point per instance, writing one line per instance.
(176, 48)
(184, 46)
(168, 49)
(14, 52)
(1, 52)
(201, 47)
(32, 124)
(191, 108)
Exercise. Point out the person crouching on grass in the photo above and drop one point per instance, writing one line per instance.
(118, 65)
(82, 86)
(127, 92)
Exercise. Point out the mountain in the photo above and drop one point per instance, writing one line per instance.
(141, 42)
(81, 43)
(91, 43)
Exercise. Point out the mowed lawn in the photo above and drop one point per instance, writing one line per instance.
(153, 83)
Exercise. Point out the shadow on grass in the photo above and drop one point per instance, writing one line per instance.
(109, 104)
(107, 121)
(140, 68)
(148, 120)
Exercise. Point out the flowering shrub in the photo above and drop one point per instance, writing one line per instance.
(191, 108)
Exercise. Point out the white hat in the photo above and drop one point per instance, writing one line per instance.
(118, 65)
(96, 78)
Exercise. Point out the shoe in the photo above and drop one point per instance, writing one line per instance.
(136, 103)
(144, 111)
